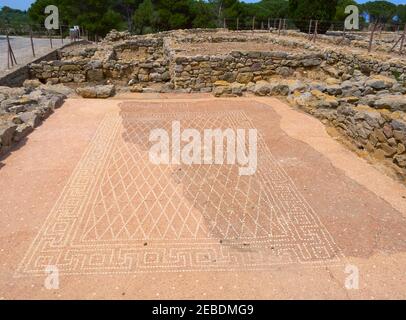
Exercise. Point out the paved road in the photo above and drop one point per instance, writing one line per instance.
(80, 196)
(22, 50)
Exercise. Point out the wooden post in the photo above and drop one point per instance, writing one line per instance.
(10, 54)
(310, 28)
(371, 39)
(344, 29)
(315, 31)
(381, 29)
(224, 24)
(284, 24)
(280, 26)
(32, 43)
(238, 23)
(253, 23)
(50, 39)
(269, 24)
(396, 43)
(60, 29)
(403, 40)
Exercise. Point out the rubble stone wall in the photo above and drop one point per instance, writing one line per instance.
(202, 72)
(364, 97)
(140, 60)
(152, 59)
(370, 112)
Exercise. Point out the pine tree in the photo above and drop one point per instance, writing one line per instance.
(302, 11)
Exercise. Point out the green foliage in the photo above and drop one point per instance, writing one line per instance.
(304, 10)
(144, 16)
(36, 11)
(99, 16)
(174, 14)
(12, 18)
(204, 15)
(401, 13)
(312, 9)
(274, 8)
(383, 11)
(340, 12)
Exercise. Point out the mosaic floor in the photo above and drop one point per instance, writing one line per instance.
(119, 213)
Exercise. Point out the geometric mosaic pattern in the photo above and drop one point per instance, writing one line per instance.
(119, 213)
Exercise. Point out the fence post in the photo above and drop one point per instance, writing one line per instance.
(344, 30)
(310, 27)
(238, 24)
(32, 43)
(224, 24)
(60, 29)
(10, 54)
(50, 39)
(371, 39)
(315, 31)
(403, 40)
(253, 23)
(269, 24)
(279, 26)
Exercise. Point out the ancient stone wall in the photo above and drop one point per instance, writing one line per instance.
(17, 77)
(362, 95)
(140, 60)
(157, 59)
(370, 112)
(200, 73)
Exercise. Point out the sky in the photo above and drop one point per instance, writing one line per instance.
(25, 4)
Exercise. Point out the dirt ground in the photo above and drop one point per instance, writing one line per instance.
(380, 50)
(22, 50)
(80, 200)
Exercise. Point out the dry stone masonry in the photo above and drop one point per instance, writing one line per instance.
(24, 109)
(360, 94)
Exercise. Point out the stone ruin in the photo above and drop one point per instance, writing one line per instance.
(360, 94)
